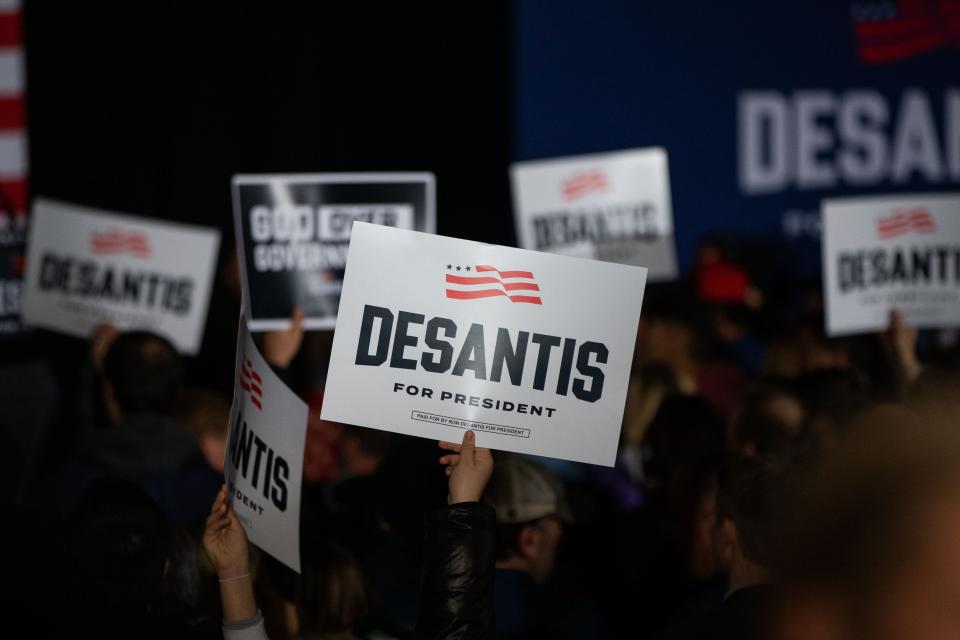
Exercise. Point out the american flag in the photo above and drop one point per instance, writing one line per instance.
(584, 183)
(901, 222)
(896, 29)
(483, 281)
(250, 382)
(13, 131)
(117, 241)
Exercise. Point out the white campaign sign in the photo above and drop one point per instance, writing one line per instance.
(86, 267)
(263, 465)
(608, 206)
(530, 350)
(882, 253)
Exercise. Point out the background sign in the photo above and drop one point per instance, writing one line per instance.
(263, 464)
(530, 350)
(607, 206)
(293, 232)
(86, 267)
(760, 124)
(892, 252)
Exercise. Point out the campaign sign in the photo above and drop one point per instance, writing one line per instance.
(882, 253)
(530, 350)
(293, 232)
(263, 464)
(613, 207)
(86, 267)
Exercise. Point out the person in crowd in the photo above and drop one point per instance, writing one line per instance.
(530, 506)
(456, 599)
(872, 545)
(207, 415)
(142, 379)
(121, 582)
(769, 419)
(750, 502)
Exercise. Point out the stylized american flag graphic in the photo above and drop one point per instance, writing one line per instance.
(116, 241)
(901, 222)
(483, 281)
(250, 382)
(583, 183)
(891, 30)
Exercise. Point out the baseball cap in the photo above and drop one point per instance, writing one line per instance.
(522, 490)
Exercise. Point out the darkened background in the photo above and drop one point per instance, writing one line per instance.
(149, 107)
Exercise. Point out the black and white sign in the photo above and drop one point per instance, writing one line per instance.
(293, 232)
(263, 465)
(86, 267)
(613, 207)
(891, 252)
(530, 350)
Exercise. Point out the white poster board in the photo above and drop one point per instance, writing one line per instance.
(86, 267)
(614, 207)
(438, 335)
(881, 253)
(263, 465)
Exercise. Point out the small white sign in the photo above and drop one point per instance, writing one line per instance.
(437, 335)
(613, 207)
(889, 252)
(264, 459)
(86, 267)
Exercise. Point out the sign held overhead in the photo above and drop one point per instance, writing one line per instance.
(530, 350)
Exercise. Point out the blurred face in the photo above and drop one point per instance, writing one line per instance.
(919, 601)
(922, 601)
(540, 543)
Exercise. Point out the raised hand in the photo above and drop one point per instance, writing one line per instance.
(469, 468)
(225, 540)
(281, 347)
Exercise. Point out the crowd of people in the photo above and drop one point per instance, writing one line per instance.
(771, 482)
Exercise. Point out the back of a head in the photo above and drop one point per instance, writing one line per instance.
(330, 593)
(769, 420)
(145, 372)
(685, 432)
(876, 525)
(752, 494)
(120, 547)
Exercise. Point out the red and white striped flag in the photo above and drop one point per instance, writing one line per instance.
(901, 222)
(483, 281)
(250, 382)
(117, 241)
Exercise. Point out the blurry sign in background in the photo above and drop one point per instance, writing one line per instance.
(293, 233)
(885, 253)
(438, 335)
(86, 267)
(607, 206)
(765, 107)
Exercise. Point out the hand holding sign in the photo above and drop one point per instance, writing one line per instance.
(469, 468)
(225, 541)
(280, 347)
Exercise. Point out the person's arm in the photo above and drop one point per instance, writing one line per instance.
(456, 588)
(226, 544)
(900, 341)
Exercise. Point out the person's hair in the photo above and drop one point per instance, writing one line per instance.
(685, 432)
(372, 442)
(145, 372)
(120, 547)
(203, 412)
(331, 593)
(752, 494)
(758, 425)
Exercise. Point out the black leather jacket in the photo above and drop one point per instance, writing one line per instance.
(456, 588)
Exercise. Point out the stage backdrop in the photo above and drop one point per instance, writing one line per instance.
(764, 107)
